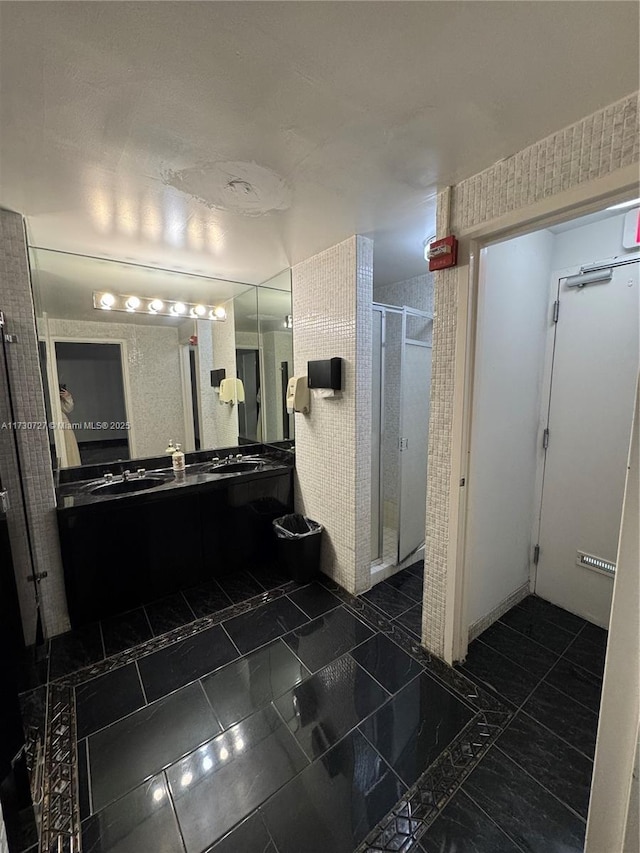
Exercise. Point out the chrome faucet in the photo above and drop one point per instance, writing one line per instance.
(126, 474)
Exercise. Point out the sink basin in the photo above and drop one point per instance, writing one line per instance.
(234, 467)
(125, 487)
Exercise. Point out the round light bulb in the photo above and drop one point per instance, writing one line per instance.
(107, 300)
(200, 310)
(178, 307)
(207, 763)
(186, 779)
(158, 794)
(132, 303)
(224, 753)
(220, 313)
(156, 305)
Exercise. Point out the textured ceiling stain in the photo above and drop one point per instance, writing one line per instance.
(236, 187)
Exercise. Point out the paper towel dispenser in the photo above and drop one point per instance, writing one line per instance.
(217, 376)
(325, 374)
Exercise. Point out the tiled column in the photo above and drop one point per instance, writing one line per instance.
(33, 446)
(332, 294)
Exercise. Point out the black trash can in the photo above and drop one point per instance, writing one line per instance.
(298, 541)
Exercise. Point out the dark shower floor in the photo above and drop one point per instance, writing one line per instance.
(298, 725)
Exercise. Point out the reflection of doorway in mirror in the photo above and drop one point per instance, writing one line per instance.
(190, 386)
(248, 367)
(92, 421)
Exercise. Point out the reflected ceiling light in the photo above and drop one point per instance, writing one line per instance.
(158, 794)
(239, 744)
(107, 300)
(166, 308)
(186, 779)
(132, 303)
(224, 753)
(624, 204)
(207, 763)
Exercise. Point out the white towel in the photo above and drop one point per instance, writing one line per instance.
(226, 391)
(231, 390)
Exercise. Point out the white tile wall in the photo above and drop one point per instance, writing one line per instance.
(416, 292)
(24, 370)
(592, 148)
(332, 294)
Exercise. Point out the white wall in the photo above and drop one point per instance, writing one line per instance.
(153, 370)
(416, 292)
(513, 318)
(591, 242)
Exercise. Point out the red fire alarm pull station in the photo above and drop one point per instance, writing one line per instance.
(443, 253)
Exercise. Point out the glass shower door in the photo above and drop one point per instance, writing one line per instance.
(416, 380)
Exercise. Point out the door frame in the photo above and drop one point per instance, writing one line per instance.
(580, 201)
(52, 365)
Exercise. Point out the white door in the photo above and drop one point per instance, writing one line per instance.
(595, 367)
(414, 425)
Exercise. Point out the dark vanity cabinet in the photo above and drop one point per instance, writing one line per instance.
(118, 554)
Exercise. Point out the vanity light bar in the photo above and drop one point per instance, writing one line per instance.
(106, 301)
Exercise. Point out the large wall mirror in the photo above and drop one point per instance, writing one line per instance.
(127, 354)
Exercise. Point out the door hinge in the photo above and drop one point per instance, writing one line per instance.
(2, 321)
(545, 439)
(403, 444)
(4, 502)
(536, 555)
(36, 577)
(556, 310)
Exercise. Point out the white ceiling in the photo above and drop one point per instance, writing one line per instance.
(235, 139)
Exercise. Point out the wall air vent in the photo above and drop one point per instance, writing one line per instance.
(597, 564)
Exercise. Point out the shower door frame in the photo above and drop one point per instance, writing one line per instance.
(405, 312)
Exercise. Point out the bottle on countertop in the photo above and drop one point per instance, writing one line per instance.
(177, 460)
(171, 448)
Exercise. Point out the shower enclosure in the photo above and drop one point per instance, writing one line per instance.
(400, 424)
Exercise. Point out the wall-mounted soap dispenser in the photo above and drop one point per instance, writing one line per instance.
(298, 395)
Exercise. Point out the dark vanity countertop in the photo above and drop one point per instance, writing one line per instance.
(77, 493)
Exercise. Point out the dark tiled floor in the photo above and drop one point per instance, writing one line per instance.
(531, 791)
(288, 709)
(91, 643)
(295, 727)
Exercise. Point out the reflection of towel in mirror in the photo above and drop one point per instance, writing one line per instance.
(231, 390)
(70, 443)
